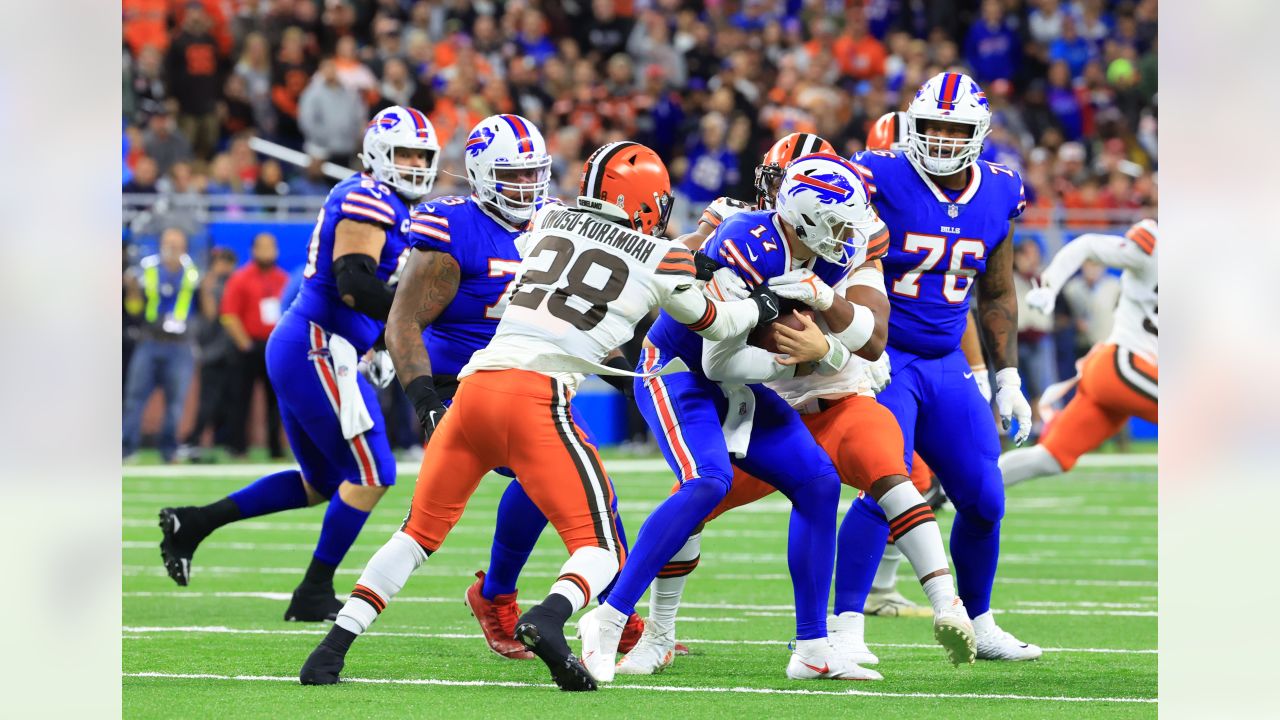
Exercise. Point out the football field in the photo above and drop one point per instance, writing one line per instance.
(1078, 575)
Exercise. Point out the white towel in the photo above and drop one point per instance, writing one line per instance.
(352, 413)
(738, 418)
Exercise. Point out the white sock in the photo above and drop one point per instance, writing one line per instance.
(915, 533)
(668, 587)
(887, 573)
(940, 590)
(984, 623)
(817, 646)
(587, 571)
(387, 572)
(1026, 463)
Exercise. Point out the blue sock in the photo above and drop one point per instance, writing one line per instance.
(863, 534)
(271, 494)
(341, 525)
(662, 534)
(975, 551)
(622, 538)
(811, 549)
(516, 531)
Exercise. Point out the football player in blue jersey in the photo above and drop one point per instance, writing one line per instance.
(950, 218)
(705, 428)
(455, 289)
(329, 410)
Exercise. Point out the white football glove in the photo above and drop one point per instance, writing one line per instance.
(879, 372)
(1012, 404)
(983, 379)
(804, 286)
(1042, 298)
(726, 285)
(377, 368)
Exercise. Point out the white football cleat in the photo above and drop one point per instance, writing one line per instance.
(818, 660)
(599, 644)
(653, 654)
(996, 644)
(954, 632)
(891, 603)
(847, 635)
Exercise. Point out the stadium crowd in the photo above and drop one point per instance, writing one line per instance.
(710, 86)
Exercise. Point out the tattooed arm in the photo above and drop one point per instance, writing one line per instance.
(998, 305)
(427, 286)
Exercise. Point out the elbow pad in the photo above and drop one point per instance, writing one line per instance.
(357, 276)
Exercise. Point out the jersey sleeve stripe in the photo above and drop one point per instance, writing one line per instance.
(711, 217)
(367, 212)
(425, 217)
(678, 254)
(371, 202)
(671, 269)
(1142, 239)
(430, 231)
(878, 245)
(707, 319)
(741, 261)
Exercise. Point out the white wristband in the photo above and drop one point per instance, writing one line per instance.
(835, 359)
(860, 329)
(1008, 377)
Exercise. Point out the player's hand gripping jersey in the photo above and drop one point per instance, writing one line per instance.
(584, 284)
(939, 240)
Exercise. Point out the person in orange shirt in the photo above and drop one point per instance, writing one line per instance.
(860, 55)
(145, 23)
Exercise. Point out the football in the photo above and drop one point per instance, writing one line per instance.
(765, 336)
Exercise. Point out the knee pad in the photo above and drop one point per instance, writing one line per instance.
(987, 505)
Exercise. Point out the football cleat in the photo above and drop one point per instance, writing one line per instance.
(178, 543)
(599, 644)
(313, 603)
(322, 666)
(954, 632)
(891, 603)
(544, 636)
(846, 633)
(653, 654)
(935, 496)
(631, 633)
(996, 644)
(497, 618)
(827, 664)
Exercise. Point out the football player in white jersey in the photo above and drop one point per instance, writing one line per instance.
(590, 273)
(1119, 378)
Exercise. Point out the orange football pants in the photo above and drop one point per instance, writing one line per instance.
(1115, 385)
(860, 435)
(921, 474)
(521, 420)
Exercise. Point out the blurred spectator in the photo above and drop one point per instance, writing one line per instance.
(1045, 20)
(397, 86)
(312, 181)
(712, 167)
(1064, 102)
(194, 79)
(271, 180)
(1072, 49)
(236, 113)
(532, 40)
(161, 291)
(331, 116)
(250, 310)
(606, 33)
(165, 143)
(145, 24)
(214, 354)
(289, 78)
(860, 55)
(354, 74)
(254, 67)
(145, 174)
(147, 86)
(1092, 296)
(992, 47)
(1035, 343)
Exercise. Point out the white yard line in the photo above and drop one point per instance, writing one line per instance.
(619, 466)
(652, 688)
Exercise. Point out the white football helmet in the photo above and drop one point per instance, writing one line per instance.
(823, 198)
(507, 142)
(399, 127)
(954, 98)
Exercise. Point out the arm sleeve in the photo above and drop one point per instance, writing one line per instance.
(710, 319)
(733, 361)
(1111, 250)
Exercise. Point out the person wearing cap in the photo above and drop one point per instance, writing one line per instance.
(215, 354)
(162, 291)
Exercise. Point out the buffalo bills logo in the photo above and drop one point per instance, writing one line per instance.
(978, 95)
(385, 122)
(479, 141)
(832, 188)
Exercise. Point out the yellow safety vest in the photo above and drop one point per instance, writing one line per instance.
(151, 287)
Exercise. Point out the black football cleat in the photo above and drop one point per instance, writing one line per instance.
(322, 666)
(179, 542)
(544, 636)
(313, 603)
(935, 496)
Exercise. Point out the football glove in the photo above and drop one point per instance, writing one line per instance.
(377, 368)
(983, 379)
(879, 372)
(1012, 404)
(767, 302)
(1042, 298)
(726, 285)
(705, 265)
(426, 403)
(802, 285)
